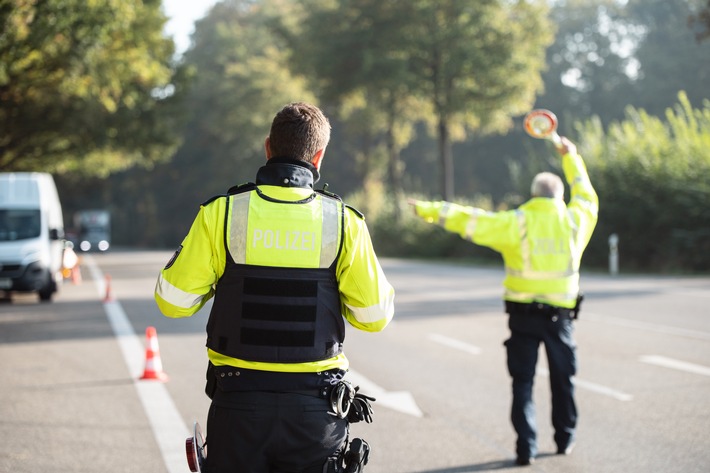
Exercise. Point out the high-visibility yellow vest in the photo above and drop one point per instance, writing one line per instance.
(285, 228)
(541, 242)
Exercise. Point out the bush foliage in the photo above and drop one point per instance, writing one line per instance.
(652, 178)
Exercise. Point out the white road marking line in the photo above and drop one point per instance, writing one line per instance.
(600, 389)
(665, 329)
(401, 401)
(454, 343)
(168, 427)
(594, 387)
(588, 385)
(675, 364)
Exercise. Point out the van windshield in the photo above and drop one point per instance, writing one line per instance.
(19, 224)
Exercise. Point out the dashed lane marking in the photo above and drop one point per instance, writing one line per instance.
(594, 387)
(675, 364)
(454, 343)
(580, 383)
(650, 327)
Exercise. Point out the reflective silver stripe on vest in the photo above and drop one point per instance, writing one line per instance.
(329, 244)
(574, 248)
(176, 296)
(572, 223)
(444, 213)
(471, 224)
(524, 244)
(588, 204)
(539, 275)
(238, 229)
(529, 296)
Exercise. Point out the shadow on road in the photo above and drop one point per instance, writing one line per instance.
(488, 466)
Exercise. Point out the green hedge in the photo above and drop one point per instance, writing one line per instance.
(653, 180)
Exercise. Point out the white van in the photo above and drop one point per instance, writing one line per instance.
(31, 234)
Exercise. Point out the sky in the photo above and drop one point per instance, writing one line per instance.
(181, 18)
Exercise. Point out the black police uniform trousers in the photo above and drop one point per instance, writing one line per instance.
(271, 432)
(528, 329)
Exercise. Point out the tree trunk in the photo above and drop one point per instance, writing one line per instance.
(446, 160)
(395, 167)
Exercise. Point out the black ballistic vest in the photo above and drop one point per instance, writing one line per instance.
(277, 314)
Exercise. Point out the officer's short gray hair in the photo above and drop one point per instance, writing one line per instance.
(547, 184)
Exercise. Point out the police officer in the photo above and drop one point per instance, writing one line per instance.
(541, 243)
(286, 265)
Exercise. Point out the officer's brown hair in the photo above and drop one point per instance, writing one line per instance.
(299, 131)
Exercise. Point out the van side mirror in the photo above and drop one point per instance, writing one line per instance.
(56, 234)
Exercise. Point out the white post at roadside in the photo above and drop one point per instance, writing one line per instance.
(614, 254)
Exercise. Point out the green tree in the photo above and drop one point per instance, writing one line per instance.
(241, 80)
(479, 64)
(475, 63)
(702, 20)
(85, 87)
(371, 83)
(670, 58)
(591, 66)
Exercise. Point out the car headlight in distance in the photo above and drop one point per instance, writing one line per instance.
(103, 245)
(85, 245)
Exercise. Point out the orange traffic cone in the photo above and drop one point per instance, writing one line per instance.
(108, 297)
(153, 364)
(76, 275)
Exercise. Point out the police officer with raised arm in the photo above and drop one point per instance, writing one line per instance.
(541, 243)
(287, 265)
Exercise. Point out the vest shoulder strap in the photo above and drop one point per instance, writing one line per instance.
(337, 197)
(246, 187)
(238, 189)
(355, 211)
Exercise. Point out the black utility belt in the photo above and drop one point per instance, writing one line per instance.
(229, 378)
(538, 308)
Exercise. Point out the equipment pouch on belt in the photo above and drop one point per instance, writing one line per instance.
(577, 307)
(357, 456)
(211, 384)
(352, 459)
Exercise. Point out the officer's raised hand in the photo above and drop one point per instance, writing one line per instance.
(566, 146)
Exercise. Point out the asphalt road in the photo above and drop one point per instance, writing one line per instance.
(71, 399)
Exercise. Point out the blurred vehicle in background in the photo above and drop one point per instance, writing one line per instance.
(31, 234)
(93, 230)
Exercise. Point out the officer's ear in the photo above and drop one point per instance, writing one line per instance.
(318, 158)
(267, 148)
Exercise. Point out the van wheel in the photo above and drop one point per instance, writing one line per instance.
(45, 294)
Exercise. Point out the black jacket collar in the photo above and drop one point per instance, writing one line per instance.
(287, 172)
